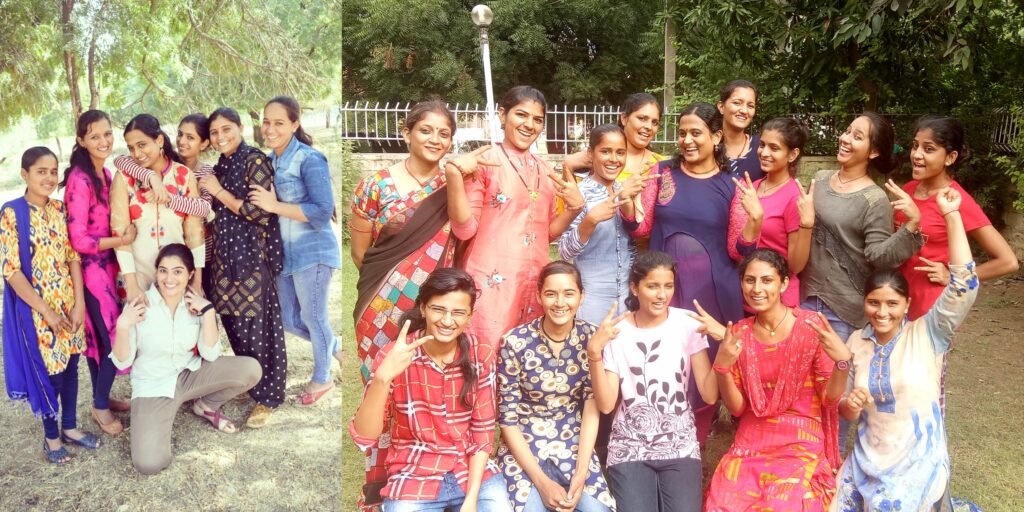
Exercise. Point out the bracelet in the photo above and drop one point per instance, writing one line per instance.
(218, 193)
(595, 360)
(806, 227)
(205, 309)
(456, 166)
(949, 212)
(721, 369)
(580, 207)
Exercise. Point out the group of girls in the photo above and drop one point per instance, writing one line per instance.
(132, 270)
(711, 308)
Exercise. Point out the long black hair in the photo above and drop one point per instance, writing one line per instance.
(883, 140)
(643, 265)
(80, 156)
(291, 107)
(794, 134)
(948, 133)
(442, 282)
(713, 119)
(150, 127)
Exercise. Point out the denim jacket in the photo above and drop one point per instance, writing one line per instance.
(302, 177)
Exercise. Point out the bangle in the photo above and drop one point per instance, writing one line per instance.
(580, 207)
(721, 369)
(806, 227)
(456, 166)
(949, 212)
(205, 309)
(218, 193)
(594, 359)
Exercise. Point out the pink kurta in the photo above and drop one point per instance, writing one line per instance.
(88, 222)
(509, 240)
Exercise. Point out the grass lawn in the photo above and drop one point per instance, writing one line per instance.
(983, 398)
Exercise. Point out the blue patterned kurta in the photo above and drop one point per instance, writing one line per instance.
(900, 461)
(543, 395)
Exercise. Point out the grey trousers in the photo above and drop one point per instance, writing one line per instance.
(153, 417)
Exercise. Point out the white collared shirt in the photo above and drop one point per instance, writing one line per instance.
(161, 347)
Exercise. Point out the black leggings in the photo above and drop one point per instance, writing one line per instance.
(102, 373)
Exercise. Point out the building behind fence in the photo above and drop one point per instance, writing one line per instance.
(376, 128)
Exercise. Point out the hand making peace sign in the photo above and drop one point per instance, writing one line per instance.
(805, 205)
(566, 189)
(835, 348)
(467, 164)
(731, 347)
(748, 197)
(400, 356)
(606, 209)
(905, 204)
(606, 332)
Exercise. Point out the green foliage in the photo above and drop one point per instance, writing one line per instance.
(351, 173)
(1012, 166)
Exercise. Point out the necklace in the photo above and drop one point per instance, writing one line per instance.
(743, 149)
(640, 166)
(522, 164)
(439, 361)
(405, 163)
(843, 182)
(552, 341)
(769, 189)
(771, 332)
(924, 193)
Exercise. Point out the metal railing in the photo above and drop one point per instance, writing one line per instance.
(377, 128)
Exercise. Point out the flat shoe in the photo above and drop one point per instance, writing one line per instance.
(218, 420)
(113, 428)
(88, 440)
(308, 398)
(120, 405)
(60, 456)
(259, 416)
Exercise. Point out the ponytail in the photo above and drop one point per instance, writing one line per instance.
(291, 107)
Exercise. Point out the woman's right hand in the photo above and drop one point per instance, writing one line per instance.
(400, 356)
(578, 160)
(606, 332)
(635, 184)
(133, 292)
(551, 493)
(159, 193)
(606, 209)
(56, 321)
(465, 165)
(857, 400)
(133, 313)
(805, 204)
(748, 197)
(731, 347)
(128, 237)
(708, 324)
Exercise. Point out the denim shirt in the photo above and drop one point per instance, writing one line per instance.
(302, 177)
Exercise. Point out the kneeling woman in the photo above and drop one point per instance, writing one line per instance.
(548, 415)
(900, 461)
(779, 379)
(653, 454)
(174, 350)
(433, 387)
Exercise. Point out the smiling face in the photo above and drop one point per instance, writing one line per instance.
(41, 177)
(641, 126)
(928, 157)
(696, 141)
(225, 135)
(277, 128)
(885, 309)
(738, 110)
(172, 277)
(855, 143)
(762, 287)
(190, 143)
(654, 291)
(146, 150)
(430, 138)
(560, 297)
(773, 153)
(98, 140)
(523, 123)
(446, 316)
(609, 157)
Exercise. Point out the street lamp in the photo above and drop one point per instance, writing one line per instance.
(482, 17)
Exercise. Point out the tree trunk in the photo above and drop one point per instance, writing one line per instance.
(865, 84)
(94, 93)
(70, 64)
(670, 64)
(257, 135)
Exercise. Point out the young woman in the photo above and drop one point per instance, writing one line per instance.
(247, 257)
(686, 212)
(399, 233)
(303, 200)
(151, 148)
(597, 241)
(737, 102)
(44, 306)
(432, 389)
(549, 430)
(503, 200)
(645, 356)
(174, 350)
(901, 461)
(193, 139)
(639, 120)
(774, 212)
(777, 376)
(87, 196)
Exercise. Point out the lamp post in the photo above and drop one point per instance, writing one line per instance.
(482, 17)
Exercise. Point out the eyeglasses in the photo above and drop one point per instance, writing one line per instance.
(458, 314)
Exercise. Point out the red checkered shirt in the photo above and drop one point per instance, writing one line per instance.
(431, 432)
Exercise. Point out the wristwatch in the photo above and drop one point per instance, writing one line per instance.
(844, 365)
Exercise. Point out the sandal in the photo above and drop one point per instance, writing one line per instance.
(60, 456)
(308, 398)
(113, 428)
(259, 416)
(88, 440)
(120, 405)
(218, 420)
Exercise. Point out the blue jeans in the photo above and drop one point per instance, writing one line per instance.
(303, 298)
(65, 387)
(587, 503)
(493, 498)
(844, 330)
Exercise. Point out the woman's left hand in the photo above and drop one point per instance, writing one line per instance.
(576, 484)
(748, 197)
(194, 301)
(834, 347)
(263, 198)
(948, 200)
(77, 316)
(905, 204)
(937, 271)
(565, 188)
